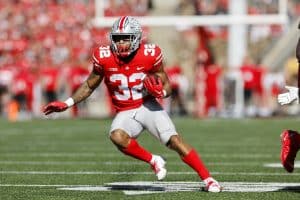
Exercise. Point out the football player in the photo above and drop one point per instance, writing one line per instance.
(290, 140)
(135, 77)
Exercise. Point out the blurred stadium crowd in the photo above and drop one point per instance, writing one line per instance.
(45, 49)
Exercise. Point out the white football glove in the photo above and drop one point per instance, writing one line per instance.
(288, 97)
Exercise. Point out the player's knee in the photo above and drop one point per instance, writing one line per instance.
(119, 138)
(177, 144)
(174, 141)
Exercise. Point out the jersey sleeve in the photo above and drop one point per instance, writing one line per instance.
(97, 66)
(157, 59)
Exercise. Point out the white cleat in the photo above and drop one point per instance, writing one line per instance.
(158, 165)
(211, 185)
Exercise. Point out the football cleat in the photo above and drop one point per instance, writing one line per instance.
(211, 185)
(158, 165)
(289, 148)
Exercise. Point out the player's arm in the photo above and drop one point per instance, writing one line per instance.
(293, 92)
(83, 92)
(87, 88)
(161, 73)
(157, 83)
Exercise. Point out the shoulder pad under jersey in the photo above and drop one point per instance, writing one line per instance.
(154, 53)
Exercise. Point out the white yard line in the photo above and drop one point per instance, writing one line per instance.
(142, 172)
(13, 162)
(279, 165)
(97, 144)
(50, 154)
(42, 185)
(148, 187)
(117, 154)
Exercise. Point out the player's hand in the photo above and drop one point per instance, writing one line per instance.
(55, 106)
(288, 97)
(154, 86)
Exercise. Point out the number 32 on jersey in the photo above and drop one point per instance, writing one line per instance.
(135, 91)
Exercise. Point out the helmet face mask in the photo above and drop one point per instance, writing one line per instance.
(125, 36)
(123, 44)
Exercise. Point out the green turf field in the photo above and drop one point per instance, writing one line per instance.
(57, 159)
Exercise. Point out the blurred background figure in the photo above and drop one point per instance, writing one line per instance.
(249, 83)
(208, 90)
(78, 73)
(255, 94)
(49, 74)
(225, 69)
(179, 84)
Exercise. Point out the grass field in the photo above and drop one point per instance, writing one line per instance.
(57, 159)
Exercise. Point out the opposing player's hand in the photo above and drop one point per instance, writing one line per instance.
(288, 97)
(55, 106)
(154, 86)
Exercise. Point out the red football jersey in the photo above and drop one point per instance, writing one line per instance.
(248, 73)
(259, 74)
(174, 73)
(124, 80)
(49, 77)
(213, 75)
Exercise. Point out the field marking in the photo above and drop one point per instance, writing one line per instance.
(13, 162)
(139, 173)
(144, 187)
(43, 142)
(279, 165)
(49, 154)
(148, 187)
(42, 185)
(117, 154)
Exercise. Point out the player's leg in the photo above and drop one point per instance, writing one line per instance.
(191, 157)
(290, 145)
(123, 132)
(161, 126)
(129, 146)
(188, 155)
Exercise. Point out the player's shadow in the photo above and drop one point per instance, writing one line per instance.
(290, 189)
(138, 187)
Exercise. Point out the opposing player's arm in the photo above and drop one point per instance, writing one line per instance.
(87, 87)
(298, 58)
(293, 92)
